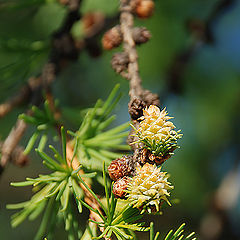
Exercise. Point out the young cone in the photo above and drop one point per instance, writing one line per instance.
(144, 8)
(158, 134)
(120, 187)
(148, 188)
(120, 167)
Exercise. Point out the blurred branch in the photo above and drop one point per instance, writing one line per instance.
(11, 142)
(43, 82)
(201, 33)
(15, 101)
(17, 157)
(64, 50)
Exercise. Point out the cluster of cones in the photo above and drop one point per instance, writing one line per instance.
(127, 172)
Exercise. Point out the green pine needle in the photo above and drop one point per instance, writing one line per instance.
(93, 143)
(43, 120)
(178, 234)
(121, 223)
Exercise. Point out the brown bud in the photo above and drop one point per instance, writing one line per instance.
(112, 38)
(120, 62)
(147, 157)
(135, 108)
(120, 167)
(92, 23)
(120, 187)
(144, 8)
(150, 98)
(141, 35)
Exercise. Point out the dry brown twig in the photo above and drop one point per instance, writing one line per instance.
(17, 156)
(11, 141)
(127, 23)
(16, 133)
(15, 101)
(139, 97)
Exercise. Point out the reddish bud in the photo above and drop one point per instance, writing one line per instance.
(112, 38)
(92, 23)
(120, 167)
(141, 35)
(120, 187)
(144, 8)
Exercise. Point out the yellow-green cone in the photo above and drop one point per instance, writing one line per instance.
(148, 187)
(157, 132)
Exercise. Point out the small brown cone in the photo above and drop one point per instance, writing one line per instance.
(135, 108)
(112, 38)
(120, 62)
(141, 35)
(120, 187)
(144, 8)
(120, 167)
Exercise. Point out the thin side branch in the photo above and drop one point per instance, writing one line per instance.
(88, 198)
(15, 101)
(12, 141)
(17, 157)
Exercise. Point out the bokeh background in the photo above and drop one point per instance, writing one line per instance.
(192, 61)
